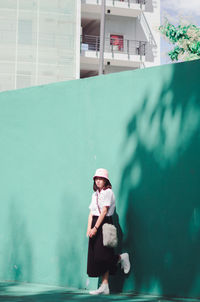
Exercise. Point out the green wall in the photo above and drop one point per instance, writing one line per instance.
(144, 127)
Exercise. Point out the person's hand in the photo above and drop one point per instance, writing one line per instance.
(93, 232)
(88, 232)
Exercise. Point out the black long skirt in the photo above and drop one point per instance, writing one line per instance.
(100, 258)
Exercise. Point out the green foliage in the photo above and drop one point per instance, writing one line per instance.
(175, 53)
(185, 38)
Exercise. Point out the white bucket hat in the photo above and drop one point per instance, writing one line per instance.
(101, 173)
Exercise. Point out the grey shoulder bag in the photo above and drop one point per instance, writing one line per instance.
(109, 232)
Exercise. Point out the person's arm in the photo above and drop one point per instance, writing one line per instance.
(98, 222)
(89, 224)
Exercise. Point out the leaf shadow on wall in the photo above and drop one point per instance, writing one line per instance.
(116, 282)
(160, 188)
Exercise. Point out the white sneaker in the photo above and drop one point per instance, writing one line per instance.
(102, 290)
(125, 262)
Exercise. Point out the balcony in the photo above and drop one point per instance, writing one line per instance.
(118, 52)
(128, 8)
(114, 2)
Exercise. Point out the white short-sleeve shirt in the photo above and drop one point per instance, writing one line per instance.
(106, 198)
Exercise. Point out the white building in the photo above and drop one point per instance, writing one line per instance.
(46, 41)
(39, 43)
(132, 39)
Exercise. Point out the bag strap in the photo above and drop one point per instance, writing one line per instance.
(97, 203)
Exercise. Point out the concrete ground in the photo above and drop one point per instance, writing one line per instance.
(28, 292)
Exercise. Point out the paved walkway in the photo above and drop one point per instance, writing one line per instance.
(26, 292)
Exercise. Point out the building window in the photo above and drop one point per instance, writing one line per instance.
(25, 31)
(23, 81)
(117, 42)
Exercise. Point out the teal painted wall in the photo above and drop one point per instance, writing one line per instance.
(144, 127)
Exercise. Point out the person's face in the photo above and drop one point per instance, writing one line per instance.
(100, 182)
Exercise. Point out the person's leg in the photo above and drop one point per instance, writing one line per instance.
(125, 262)
(105, 278)
(104, 287)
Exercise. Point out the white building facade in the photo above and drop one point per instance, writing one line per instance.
(46, 41)
(39, 42)
(132, 38)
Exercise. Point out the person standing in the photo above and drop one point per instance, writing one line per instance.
(102, 261)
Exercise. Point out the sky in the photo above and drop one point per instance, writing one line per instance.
(175, 11)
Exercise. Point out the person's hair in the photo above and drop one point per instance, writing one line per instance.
(106, 186)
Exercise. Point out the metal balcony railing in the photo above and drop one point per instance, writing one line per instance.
(116, 1)
(120, 46)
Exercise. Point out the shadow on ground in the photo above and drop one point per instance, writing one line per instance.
(24, 292)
